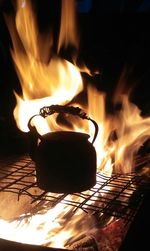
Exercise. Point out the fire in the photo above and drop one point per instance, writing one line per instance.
(46, 80)
(38, 229)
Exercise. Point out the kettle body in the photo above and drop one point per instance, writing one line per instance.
(65, 161)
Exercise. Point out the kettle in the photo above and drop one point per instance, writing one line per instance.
(65, 161)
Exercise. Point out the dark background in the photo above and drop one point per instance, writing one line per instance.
(114, 38)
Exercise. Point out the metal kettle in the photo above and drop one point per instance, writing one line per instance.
(65, 161)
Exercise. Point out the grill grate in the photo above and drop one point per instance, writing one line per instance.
(119, 195)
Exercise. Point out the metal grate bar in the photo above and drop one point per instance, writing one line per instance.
(119, 195)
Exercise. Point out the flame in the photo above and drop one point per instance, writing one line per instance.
(130, 128)
(68, 31)
(36, 229)
(131, 133)
(43, 83)
(47, 79)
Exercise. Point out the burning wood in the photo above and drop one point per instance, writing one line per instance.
(83, 243)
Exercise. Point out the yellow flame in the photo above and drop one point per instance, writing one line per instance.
(68, 30)
(60, 80)
(57, 81)
(36, 229)
(132, 131)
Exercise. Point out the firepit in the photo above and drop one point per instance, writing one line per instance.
(110, 206)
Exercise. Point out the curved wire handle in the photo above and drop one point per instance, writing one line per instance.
(76, 111)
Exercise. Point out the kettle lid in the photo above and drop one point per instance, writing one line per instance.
(65, 136)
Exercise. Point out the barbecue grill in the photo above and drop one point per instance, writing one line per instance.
(119, 196)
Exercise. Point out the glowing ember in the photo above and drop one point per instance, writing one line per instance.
(57, 81)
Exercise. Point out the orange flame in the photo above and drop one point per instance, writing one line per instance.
(57, 81)
(68, 30)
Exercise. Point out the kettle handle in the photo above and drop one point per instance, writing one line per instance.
(76, 111)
